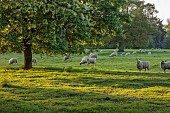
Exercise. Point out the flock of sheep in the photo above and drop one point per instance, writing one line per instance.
(14, 60)
(91, 59)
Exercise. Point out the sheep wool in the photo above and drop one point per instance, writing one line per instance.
(127, 54)
(91, 61)
(165, 65)
(143, 65)
(84, 60)
(12, 60)
(93, 55)
(67, 57)
(113, 54)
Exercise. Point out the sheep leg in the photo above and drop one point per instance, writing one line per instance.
(164, 70)
(148, 70)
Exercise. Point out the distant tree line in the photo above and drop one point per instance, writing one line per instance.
(144, 31)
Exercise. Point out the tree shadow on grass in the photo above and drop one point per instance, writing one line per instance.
(70, 100)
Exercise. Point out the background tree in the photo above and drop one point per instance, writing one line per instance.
(62, 26)
(166, 41)
(145, 30)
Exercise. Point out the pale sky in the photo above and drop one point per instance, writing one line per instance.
(163, 6)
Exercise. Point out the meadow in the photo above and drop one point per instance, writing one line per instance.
(114, 85)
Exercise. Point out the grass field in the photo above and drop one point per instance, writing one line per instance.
(114, 85)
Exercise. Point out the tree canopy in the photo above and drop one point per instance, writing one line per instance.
(62, 26)
(57, 26)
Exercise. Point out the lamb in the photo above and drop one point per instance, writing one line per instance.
(142, 65)
(84, 60)
(113, 54)
(67, 57)
(34, 60)
(93, 55)
(13, 60)
(165, 65)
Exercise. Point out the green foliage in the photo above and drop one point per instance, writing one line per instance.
(58, 26)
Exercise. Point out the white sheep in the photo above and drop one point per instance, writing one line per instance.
(93, 55)
(134, 52)
(66, 57)
(142, 50)
(149, 53)
(84, 60)
(127, 54)
(34, 60)
(143, 65)
(123, 53)
(91, 61)
(113, 54)
(165, 65)
(13, 60)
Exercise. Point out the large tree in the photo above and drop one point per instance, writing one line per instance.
(57, 26)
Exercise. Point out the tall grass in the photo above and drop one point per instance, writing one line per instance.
(114, 85)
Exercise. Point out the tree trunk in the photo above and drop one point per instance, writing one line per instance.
(121, 47)
(27, 57)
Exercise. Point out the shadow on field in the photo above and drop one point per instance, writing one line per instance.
(41, 100)
(81, 92)
(134, 80)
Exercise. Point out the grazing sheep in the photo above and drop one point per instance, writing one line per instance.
(142, 65)
(84, 60)
(67, 57)
(134, 52)
(91, 61)
(113, 54)
(123, 53)
(127, 54)
(165, 65)
(142, 50)
(34, 60)
(149, 53)
(13, 60)
(93, 55)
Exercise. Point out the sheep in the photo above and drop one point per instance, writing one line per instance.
(142, 50)
(34, 60)
(127, 54)
(84, 60)
(91, 61)
(67, 57)
(93, 55)
(113, 54)
(123, 53)
(13, 60)
(149, 53)
(134, 52)
(142, 65)
(165, 65)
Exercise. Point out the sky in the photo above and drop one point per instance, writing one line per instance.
(163, 6)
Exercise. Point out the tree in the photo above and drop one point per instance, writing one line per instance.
(62, 26)
(145, 29)
(166, 40)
